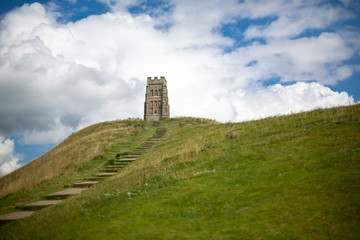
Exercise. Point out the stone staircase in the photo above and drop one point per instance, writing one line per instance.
(76, 188)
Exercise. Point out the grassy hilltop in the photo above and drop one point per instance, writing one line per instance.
(287, 177)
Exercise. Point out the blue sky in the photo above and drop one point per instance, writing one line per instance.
(67, 64)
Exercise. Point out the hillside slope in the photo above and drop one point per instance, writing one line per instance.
(76, 151)
(288, 177)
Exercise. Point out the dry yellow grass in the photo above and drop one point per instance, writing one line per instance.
(77, 149)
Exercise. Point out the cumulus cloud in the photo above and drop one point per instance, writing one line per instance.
(303, 59)
(293, 21)
(8, 159)
(281, 99)
(56, 78)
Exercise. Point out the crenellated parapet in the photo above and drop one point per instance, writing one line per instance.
(156, 80)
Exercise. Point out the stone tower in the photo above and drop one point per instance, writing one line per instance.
(156, 105)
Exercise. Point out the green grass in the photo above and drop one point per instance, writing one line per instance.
(287, 177)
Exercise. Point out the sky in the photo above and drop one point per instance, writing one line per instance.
(67, 64)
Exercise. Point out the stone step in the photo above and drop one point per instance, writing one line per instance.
(84, 184)
(5, 218)
(41, 204)
(65, 193)
(105, 174)
(116, 166)
(126, 160)
(114, 170)
(123, 164)
(120, 166)
(134, 155)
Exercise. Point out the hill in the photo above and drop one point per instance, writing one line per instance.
(82, 150)
(286, 177)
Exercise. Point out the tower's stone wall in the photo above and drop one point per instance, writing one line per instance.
(156, 105)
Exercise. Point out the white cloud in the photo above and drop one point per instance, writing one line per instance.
(278, 99)
(19, 24)
(8, 160)
(303, 59)
(353, 4)
(56, 78)
(292, 21)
